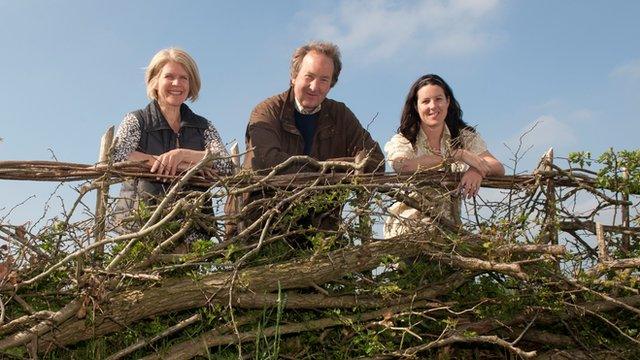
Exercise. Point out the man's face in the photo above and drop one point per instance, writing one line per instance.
(313, 82)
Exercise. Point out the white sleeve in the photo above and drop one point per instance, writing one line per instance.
(399, 148)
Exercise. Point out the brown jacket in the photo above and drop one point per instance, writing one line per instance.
(274, 137)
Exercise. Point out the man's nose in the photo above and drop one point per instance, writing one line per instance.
(313, 85)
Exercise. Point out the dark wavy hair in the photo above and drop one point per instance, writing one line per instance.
(410, 119)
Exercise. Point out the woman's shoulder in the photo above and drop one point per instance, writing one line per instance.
(193, 119)
(398, 147)
(472, 140)
(399, 139)
(130, 120)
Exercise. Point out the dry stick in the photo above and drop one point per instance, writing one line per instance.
(478, 264)
(17, 298)
(276, 210)
(233, 280)
(557, 250)
(2, 310)
(158, 249)
(242, 259)
(618, 264)
(56, 171)
(605, 297)
(483, 339)
(262, 182)
(249, 229)
(589, 186)
(164, 203)
(605, 320)
(187, 350)
(137, 276)
(142, 343)
(14, 237)
(218, 330)
(576, 224)
(514, 342)
(130, 306)
(25, 320)
(103, 242)
(43, 327)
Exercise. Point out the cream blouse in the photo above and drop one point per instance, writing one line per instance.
(404, 217)
(399, 147)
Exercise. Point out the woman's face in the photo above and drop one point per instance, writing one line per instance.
(432, 105)
(173, 84)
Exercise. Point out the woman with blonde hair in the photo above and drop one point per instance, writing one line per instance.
(166, 135)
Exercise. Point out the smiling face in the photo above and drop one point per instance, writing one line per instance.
(313, 81)
(432, 106)
(173, 84)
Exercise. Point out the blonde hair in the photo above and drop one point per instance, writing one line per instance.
(160, 59)
(326, 48)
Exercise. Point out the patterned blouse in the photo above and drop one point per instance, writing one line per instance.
(128, 137)
(399, 147)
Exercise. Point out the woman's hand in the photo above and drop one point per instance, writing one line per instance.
(470, 183)
(173, 161)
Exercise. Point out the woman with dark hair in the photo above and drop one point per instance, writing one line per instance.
(432, 131)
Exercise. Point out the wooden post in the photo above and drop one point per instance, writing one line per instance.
(550, 227)
(603, 252)
(103, 191)
(361, 200)
(235, 159)
(626, 241)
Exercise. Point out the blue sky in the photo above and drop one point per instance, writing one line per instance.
(71, 69)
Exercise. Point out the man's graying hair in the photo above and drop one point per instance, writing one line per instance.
(326, 48)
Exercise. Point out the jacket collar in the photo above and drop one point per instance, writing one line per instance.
(157, 121)
(289, 107)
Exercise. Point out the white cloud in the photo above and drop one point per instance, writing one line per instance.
(582, 115)
(541, 134)
(630, 71)
(379, 29)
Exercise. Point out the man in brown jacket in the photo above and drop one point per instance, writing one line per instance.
(302, 121)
